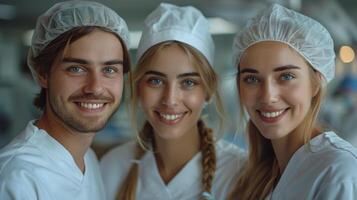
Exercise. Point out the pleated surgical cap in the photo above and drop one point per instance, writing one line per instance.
(67, 15)
(184, 24)
(307, 36)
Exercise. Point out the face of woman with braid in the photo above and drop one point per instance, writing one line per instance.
(171, 93)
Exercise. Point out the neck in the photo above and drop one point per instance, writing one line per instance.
(284, 148)
(75, 142)
(172, 154)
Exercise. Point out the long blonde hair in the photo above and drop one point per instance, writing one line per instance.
(145, 137)
(261, 173)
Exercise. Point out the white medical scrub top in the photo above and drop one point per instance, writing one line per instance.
(35, 166)
(186, 185)
(326, 171)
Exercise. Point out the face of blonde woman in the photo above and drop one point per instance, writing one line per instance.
(171, 94)
(275, 88)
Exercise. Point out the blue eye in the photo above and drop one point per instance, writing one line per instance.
(287, 76)
(251, 79)
(110, 70)
(75, 69)
(155, 82)
(189, 83)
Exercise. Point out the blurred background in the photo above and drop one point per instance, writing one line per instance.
(226, 17)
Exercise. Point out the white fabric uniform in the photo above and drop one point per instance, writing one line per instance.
(186, 185)
(328, 171)
(35, 166)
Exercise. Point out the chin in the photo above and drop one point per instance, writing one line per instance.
(170, 135)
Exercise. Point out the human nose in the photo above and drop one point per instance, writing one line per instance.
(94, 84)
(269, 92)
(171, 95)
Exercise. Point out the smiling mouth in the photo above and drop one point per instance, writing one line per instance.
(170, 118)
(91, 106)
(272, 116)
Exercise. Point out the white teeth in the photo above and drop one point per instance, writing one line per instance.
(91, 105)
(272, 114)
(170, 117)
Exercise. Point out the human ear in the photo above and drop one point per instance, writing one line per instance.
(42, 79)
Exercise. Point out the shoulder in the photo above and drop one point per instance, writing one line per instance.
(230, 158)
(123, 152)
(337, 158)
(230, 153)
(118, 159)
(115, 166)
(17, 180)
(19, 155)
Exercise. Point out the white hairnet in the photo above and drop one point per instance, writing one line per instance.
(308, 37)
(67, 15)
(184, 24)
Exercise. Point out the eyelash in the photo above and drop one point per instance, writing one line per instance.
(248, 79)
(291, 76)
(75, 69)
(153, 81)
(185, 84)
(114, 70)
(251, 79)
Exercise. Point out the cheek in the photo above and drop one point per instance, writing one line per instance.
(247, 96)
(147, 97)
(299, 94)
(194, 100)
(116, 86)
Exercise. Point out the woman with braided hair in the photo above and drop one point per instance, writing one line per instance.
(176, 156)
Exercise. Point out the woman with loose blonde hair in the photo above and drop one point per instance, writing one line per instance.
(284, 60)
(177, 155)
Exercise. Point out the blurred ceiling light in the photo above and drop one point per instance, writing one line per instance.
(347, 54)
(220, 26)
(7, 12)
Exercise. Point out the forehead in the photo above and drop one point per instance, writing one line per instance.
(268, 55)
(171, 60)
(96, 44)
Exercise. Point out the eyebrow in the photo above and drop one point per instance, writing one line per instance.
(278, 69)
(85, 62)
(188, 74)
(155, 73)
(179, 76)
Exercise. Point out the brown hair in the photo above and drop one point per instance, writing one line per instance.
(145, 136)
(261, 173)
(42, 64)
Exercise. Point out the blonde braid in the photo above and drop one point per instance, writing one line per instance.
(208, 156)
(128, 187)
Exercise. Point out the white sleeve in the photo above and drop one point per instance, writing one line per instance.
(346, 190)
(17, 188)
